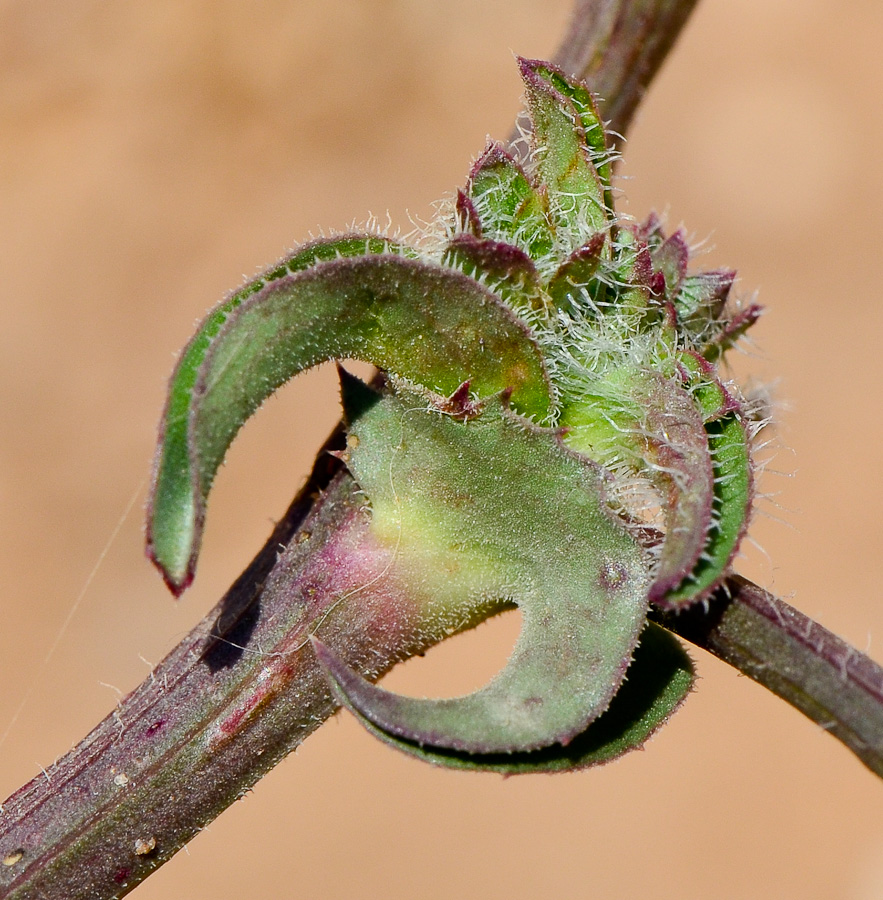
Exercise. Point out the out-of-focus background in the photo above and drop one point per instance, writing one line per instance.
(153, 154)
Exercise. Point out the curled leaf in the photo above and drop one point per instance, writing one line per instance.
(680, 465)
(657, 682)
(653, 424)
(494, 507)
(416, 319)
(728, 443)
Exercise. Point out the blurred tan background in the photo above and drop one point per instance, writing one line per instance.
(152, 154)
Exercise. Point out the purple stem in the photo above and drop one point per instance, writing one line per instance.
(617, 46)
(231, 700)
(815, 671)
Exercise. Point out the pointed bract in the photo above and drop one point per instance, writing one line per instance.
(703, 295)
(574, 283)
(586, 107)
(468, 221)
(508, 206)
(356, 397)
(727, 331)
(577, 202)
(505, 269)
(670, 258)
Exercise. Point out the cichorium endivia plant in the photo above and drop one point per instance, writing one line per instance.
(553, 432)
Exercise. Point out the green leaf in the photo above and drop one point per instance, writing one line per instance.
(577, 203)
(490, 507)
(586, 108)
(504, 205)
(504, 268)
(651, 421)
(658, 680)
(574, 282)
(670, 258)
(416, 319)
(729, 445)
(700, 376)
(702, 298)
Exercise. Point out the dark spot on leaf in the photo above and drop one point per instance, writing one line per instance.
(613, 575)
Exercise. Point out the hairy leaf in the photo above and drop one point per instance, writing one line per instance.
(653, 422)
(657, 682)
(577, 201)
(416, 319)
(506, 204)
(728, 442)
(589, 117)
(490, 506)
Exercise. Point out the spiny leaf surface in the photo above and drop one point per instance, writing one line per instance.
(657, 682)
(494, 507)
(417, 319)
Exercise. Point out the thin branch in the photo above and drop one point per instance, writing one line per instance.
(796, 658)
(617, 48)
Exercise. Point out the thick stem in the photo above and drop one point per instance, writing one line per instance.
(805, 664)
(235, 697)
(182, 746)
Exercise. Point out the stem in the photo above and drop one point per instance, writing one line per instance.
(815, 671)
(235, 697)
(184, 745)
(617, 46)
